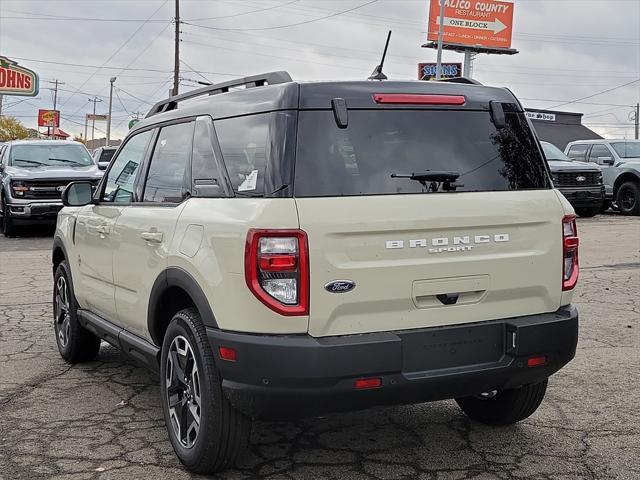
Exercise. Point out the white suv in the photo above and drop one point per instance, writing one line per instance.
(295, 248)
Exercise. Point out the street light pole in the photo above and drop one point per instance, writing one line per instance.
(440, 41)
(111, 80)
(93, 120)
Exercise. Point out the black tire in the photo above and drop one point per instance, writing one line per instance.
(8, 227)
(75, 343)
(606, 205)
(506, 407)
(588, 212)
(222, 431)
(628, 198)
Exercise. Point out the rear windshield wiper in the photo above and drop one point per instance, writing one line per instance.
(434, 177)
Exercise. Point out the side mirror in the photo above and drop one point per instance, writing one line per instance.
(103, 165)
(605, 160)
(77, 194)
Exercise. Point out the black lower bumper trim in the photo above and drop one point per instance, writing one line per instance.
(286, 376)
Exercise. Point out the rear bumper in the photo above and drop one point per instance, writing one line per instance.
(584, 197)
(279, 376)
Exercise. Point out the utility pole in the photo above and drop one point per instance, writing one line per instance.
(55, 82)
(637, 121)
(94, 100)
(111, 80)
(440, 41)
(1, 98)
(176, 58)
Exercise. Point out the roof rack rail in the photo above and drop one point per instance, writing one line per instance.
(270, 78)
(468, 81)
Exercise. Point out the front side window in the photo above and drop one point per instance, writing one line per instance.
(627, 149)
(166, 179)
(598, 151)
(380, 149)
(50, 155)
(120, 181)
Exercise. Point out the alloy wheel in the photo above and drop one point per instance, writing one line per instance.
(627, 199)
(183, 392)
(61, 311)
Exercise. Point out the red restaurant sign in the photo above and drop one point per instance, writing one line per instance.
(48, 118)
(16, 80)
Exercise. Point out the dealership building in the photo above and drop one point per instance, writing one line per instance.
(560, 128)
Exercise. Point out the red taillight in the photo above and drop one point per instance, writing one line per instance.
(418, 99)
(364, 383)
(570, 243)
(536, 361)
(276, 266)
(228, 354)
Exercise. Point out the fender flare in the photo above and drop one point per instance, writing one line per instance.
(59, 244)
(177, 277)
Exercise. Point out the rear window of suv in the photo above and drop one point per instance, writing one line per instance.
(360, 159)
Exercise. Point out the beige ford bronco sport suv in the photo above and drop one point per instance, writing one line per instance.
(292, 248)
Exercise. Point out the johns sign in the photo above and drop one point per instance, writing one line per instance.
(17, 80)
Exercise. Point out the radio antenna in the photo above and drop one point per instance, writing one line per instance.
(377, 72)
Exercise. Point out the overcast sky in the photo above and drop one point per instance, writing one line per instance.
(569, 49)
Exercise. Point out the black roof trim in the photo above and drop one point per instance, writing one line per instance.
(468, 81)
(270, 78)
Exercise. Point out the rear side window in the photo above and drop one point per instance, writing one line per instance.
(361, 159)
(577, 152)
(166, 179)
(598, 151)
(106, 155)
(244, 144)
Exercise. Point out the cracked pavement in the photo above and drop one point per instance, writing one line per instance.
(103, 419)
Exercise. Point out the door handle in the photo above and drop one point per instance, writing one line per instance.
(102, 230)
(152, 236)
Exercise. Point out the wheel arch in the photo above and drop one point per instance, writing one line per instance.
(173, 290)
(627, 176)
(59, 253)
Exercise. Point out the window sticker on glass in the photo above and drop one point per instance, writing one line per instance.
(250, 182)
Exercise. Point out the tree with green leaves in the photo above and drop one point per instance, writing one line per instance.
(12, 129)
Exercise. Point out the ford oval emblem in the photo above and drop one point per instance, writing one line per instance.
(580, 179)
(340, 286)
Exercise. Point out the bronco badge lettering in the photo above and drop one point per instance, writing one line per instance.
(463, 243)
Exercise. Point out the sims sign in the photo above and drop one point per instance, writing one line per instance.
(16, 80)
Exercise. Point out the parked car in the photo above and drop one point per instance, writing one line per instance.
(620, 164)
(580, 182)
(33, 174)
(103, 155)
(296, 248)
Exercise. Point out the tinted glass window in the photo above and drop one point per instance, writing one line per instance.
(166, 180)
(554, 153)
(577, 152)
(598, 151)
(106, 155)
(207, 180)
(124, 169)
(244, 145)
(361, 159)
(48, 154)
(627, 149)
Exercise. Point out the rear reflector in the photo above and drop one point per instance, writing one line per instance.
(364, 383)
(536, 361)
(228, 354)
(418, 99)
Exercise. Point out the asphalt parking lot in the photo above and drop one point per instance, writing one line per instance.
(103, 419)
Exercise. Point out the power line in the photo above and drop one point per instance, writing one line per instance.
(595, 94)
(119, 48)
(286, 26)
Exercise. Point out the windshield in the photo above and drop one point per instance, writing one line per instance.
(551, 152)
(50, 155)
(106, 155)
(389, 151)
(627, 149)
